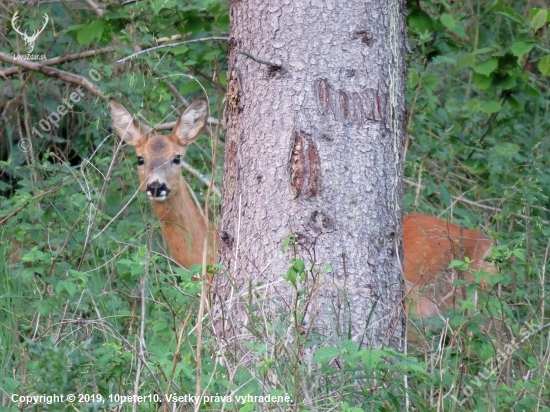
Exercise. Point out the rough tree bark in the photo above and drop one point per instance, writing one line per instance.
(315, 127)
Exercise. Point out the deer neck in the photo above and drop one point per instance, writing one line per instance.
(183, 227)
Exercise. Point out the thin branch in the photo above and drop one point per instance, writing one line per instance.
(274, 65)
(58, 74)
(170, 125)
(167, 39)
(97, 10)
(61, 59)
(202, 178)
(163, 46)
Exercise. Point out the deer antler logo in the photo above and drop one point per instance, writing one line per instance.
(29, 40)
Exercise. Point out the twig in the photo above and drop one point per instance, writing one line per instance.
(167, 39)
(61, 59)
(97, 10)
(58, 74)
(170, 125)
(275, 66)
(202, 178)
(162, 46)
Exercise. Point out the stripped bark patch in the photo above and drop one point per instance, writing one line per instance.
(344, 104)
(360, 105)
(323, 95)
(305, 166)
(233, 91)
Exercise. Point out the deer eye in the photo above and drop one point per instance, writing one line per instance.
(176, 160)
(141, 161)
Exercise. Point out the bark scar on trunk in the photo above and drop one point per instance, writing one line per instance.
(233, 91)
(305, 166)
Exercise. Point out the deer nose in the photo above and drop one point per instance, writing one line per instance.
(157, 190)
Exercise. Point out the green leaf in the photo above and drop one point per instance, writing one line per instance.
(70, 287)
(509, 83)
(490, 107)
(372, 357)
(482, 82)
(466, 60)
(521, 47)
(544, 65)
(484, 50)
(94, 30)
(349, 346)
(181, 49)
(507, 148)
(326, 354)
(486, 67)
(539, 19)
(413, 79)
(210, 56)
(163, 4)
(474, 166)
(448, 21)
(420, 21)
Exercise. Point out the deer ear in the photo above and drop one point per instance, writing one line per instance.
(191, 123)
(127, 127)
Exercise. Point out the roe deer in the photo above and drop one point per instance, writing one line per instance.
(430, 244)
(159, 162)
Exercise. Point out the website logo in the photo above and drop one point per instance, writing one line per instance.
(30, 40)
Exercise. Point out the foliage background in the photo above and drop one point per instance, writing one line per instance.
(76, 239)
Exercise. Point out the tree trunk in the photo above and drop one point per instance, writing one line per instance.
(313, 160)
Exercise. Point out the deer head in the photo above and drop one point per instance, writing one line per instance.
(29, 40)
(159, 157)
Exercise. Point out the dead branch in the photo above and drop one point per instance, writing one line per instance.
(58, 74)
(61, 59)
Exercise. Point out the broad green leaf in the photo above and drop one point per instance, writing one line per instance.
(474, 166)
(413, 79)
(448, 21)
(490, 107)
(326, 354)
(482, 82)
(534, 12)
(179, 49)
(466, 60)
(158, 5)
(94, 30)
(349, 346)
(70, 287)
(521, 47)
(539, 20)
(509, 83)
(544, 65)
(486, 67)
(420, 21)
(507, 148)
(484, 50)
(372, 357)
